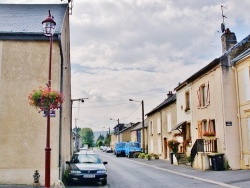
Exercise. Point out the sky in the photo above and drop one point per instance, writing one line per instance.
(140, 50)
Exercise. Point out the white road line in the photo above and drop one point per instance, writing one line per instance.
(189, 176)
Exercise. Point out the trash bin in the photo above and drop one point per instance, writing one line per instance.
(217, 161)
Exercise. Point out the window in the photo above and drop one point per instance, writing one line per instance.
(151, 128)
(159, 145)
(203, 95)
(204, 126)
(187, 100)
(158, 126)
(169, 124)
(247, 83)
(248, 132)
(208, 126)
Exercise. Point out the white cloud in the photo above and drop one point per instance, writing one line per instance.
(141, 49)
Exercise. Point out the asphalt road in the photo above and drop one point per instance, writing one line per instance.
(140, 173)
(126, 173)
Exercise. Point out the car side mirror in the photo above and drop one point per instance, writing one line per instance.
(105, 162)
(67, 162)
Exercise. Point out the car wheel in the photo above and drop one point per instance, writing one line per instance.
(117, 155)
(104, 182)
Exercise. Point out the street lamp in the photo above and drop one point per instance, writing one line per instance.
(76, 140)
(118, 128)
(143, 132)
(48, 30)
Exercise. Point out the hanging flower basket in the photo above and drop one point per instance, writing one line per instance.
(173, 145)
(44, 99)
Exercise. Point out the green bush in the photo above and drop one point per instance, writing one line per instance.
(141, 155)
(148, 156)
(136, 154)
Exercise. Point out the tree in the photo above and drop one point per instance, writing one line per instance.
(107, 139)
(100, 137)
(99, 143)
(87, 136)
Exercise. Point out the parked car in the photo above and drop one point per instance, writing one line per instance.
(109, 150)
(119, 149)
(83, 148)
(104, 148)
(86, 166)
(131, 148)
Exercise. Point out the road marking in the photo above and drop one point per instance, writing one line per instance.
(188, 176)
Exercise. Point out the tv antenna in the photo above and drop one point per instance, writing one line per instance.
(223, 19)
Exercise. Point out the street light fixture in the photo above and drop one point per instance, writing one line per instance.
(82, 101)
(118, 128)
(143, 132)
(48, 30)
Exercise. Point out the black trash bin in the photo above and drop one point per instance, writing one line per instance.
(217, 161)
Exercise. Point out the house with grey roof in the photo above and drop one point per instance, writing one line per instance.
(213, 104)
(160, 121)
(24, 66)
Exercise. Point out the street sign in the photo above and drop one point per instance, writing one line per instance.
(52, 113)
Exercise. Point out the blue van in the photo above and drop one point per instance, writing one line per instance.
(131, 148)
(119, 149)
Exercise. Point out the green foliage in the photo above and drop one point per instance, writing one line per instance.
(189, 159)
(100, 137)
(99, 143)
(136, 154)
(148, 156)
(154, 156)
(227, 166)
(107, 139)
(87, 136)
(141, 155)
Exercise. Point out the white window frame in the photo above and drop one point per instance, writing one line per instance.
(169, 122)
(159, 126)
(159, 145)
(151, 128)
(203, 94)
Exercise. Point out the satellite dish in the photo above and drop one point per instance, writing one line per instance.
(222, 27)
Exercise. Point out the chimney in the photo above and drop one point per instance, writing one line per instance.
(169, 94)
(228, 39)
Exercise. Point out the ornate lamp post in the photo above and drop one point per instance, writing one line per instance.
(48, 30)
(143, 132)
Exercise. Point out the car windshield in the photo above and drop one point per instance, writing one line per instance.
(134, 144)
(120, 145)
(85, 158)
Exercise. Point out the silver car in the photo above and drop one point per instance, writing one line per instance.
(85, 167)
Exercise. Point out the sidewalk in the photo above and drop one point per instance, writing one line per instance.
(229, 178)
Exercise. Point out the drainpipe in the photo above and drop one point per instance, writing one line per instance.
(223, 109)
(60, 119)
(161, 137)
(238, 111)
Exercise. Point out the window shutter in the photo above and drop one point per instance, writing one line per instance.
(207, 95)
(158, 126)
(199, 98)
